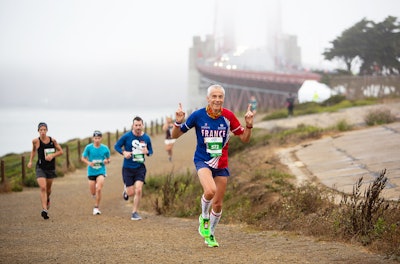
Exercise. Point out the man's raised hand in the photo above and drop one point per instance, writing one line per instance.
(179, 115)
(248, 117)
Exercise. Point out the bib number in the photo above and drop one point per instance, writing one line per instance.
(138, 158)
(214, 146)
(49, 151)
(97, 164)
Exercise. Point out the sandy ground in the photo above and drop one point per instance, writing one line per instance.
(74, 235)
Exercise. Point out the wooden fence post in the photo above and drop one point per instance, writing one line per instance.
(2, 171)
(67, 155)
(23, 172)
(109, 140)
(79, 150)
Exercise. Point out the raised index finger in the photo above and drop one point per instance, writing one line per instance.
(249, 107)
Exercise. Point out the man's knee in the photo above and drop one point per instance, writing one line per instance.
(209, 193)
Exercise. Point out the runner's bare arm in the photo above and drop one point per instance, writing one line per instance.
(179, 119)
(33, 153)
(248, 118)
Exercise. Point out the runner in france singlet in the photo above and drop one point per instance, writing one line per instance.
(212, 136)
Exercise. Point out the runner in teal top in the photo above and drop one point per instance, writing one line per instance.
(96, 156)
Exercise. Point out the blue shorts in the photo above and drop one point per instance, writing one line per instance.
(48, 174)
(130, 176)
(215, 172)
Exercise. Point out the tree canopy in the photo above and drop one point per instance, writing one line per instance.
(375, 45)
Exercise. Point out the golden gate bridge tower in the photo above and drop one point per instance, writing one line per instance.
(269, 73)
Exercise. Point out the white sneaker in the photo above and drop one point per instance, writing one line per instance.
(96, 211)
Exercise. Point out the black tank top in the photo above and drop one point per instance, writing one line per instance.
(43, 150)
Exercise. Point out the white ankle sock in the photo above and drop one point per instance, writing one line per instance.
(214, 220)
(205, 207)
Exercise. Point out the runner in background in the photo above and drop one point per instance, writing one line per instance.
(169, 141)
(253, 104)
(96, 156)
(134, 145)
(290, 104)
(47, 149)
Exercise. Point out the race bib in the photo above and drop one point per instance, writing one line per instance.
(138, 158)
(49, 151)
(97, 164)
(214, 146)
(137, 151)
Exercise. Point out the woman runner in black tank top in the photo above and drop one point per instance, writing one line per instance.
(43, 150)
(45, 165)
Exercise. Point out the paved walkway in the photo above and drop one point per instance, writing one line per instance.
(339, 161)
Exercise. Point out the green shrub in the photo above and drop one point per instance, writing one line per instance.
(278, 114)
(16, 185)
(175, 195)
(379, 117)
(336, 99)
(299, 133)
(30, 181)
(362, 214)
(259, 136)
(342, 125)
(340, 105)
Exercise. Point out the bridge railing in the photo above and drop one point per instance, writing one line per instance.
(358, 87)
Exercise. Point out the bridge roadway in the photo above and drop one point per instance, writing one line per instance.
(339, 161)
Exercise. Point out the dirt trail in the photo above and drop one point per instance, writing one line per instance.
(74, 235)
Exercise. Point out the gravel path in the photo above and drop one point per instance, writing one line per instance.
(74, 235)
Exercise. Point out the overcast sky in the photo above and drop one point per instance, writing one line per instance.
(120, 50)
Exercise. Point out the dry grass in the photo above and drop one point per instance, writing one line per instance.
(261, 193)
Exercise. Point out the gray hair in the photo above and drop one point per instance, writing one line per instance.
(215, 86)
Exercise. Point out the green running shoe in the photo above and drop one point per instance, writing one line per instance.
(204, 227)
(211, 242)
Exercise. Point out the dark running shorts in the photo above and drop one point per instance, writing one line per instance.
(215, 172)
(130, 176)
(94, 177)
(48, 174)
